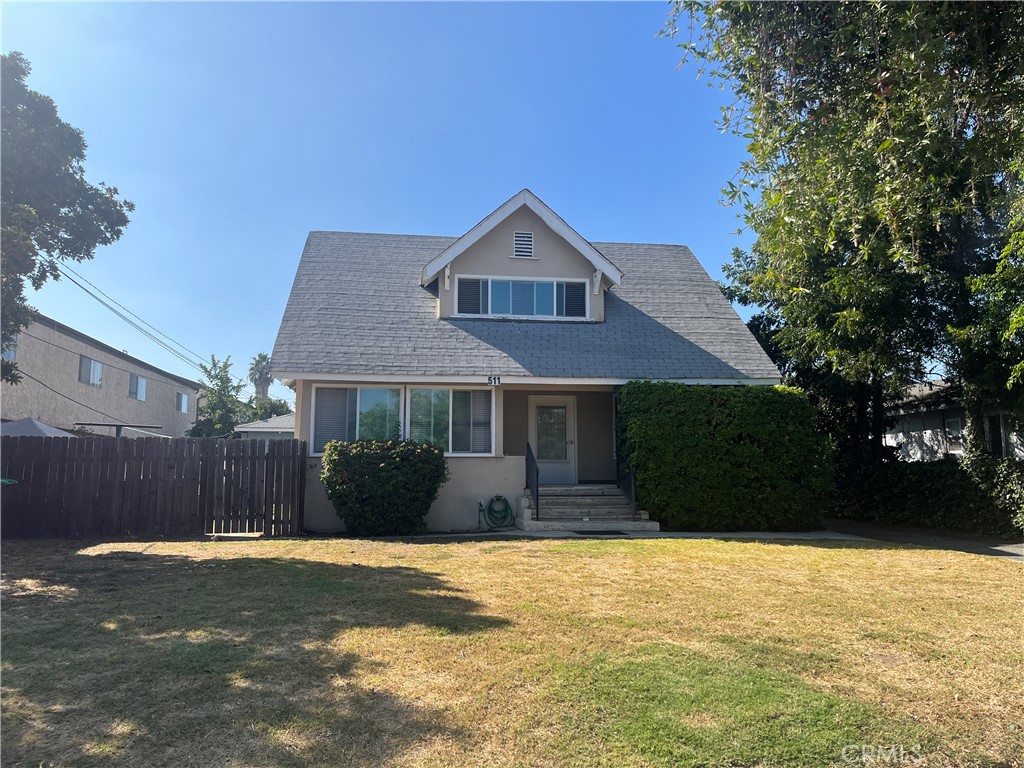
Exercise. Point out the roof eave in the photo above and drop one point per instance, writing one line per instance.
(557, 224)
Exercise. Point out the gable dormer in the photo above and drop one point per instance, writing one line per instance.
(522, 262)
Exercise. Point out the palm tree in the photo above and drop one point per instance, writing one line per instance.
(259, 374)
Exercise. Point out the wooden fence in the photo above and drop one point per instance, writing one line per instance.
(106, 486)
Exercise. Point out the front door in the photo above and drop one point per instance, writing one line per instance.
(553, 437)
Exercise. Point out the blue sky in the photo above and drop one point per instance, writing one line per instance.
(238, 127)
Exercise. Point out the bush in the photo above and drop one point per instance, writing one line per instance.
(980, 494)
(383, 487)
(725, 458)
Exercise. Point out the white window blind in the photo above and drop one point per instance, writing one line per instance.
(471, 421)
(334, 416)
(90, 371)
(136, 387)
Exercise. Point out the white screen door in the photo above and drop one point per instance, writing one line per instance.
(553, 437)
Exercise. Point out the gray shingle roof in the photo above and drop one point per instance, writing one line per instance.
(357, 307)
(285, 423)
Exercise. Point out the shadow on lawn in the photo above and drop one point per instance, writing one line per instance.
(128, 658)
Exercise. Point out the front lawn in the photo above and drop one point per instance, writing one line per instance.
(508, 653)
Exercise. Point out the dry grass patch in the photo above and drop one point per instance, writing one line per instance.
(503, 653)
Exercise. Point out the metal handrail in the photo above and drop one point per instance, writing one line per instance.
(627, 482)
(533, 480)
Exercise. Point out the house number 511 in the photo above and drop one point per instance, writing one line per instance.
(494, 381)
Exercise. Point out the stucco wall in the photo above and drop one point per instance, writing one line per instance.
(472, 480)
(594, 430)
(53, 357)
(492, 256)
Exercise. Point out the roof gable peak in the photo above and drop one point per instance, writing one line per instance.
(506, 209)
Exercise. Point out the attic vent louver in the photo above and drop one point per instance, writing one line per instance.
(523, 245)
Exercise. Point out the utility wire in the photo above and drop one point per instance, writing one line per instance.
(74, 352)
(142, 330)
(199, 357)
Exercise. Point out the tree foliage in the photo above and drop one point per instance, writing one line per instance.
(881, 176)
(260, 375)
(221, 407)
(49, 212)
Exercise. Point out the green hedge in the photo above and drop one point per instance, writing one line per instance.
(712, 458)
(383, 487)
(980, 495)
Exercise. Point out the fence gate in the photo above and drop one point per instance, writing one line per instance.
(106, 486)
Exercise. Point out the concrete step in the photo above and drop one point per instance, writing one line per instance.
(560, 502)
(579, 490)
(587, 525)
(579, 512)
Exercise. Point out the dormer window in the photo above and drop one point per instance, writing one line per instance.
(501, 297)
(522, 246)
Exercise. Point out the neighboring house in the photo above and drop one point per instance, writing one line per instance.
(929, 423)
(516, 334)
(276, 428)
(69, 377)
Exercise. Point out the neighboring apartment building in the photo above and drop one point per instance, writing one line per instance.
(69, 377)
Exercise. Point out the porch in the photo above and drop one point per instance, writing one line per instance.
(573, 477)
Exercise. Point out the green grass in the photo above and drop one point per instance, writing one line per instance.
(506, 653)
(670, 706)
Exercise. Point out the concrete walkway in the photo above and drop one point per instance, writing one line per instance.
(931, 539)
(515, 533)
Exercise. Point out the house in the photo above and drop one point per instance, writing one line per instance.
(928, 424)
(69, 378)
(507, 341)
(275, 428)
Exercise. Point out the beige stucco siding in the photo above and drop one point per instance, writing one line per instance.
(492, 256)
(456, 509)
(52, 357)
(595, 446)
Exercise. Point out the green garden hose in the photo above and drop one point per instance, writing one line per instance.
(498, 513)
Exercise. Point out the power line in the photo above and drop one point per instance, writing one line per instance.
(74, 352)
(66, 397)
(122, 306)
(142, 330)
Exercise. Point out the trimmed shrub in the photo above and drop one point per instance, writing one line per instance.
(383, 487)
(980, 495)
(712, 458)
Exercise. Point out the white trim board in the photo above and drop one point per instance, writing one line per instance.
(481, 379)
(553, 220)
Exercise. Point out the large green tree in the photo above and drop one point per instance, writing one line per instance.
(48, 211)
(880, 179)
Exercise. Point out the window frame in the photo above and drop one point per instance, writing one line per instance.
(539, 318)
(11, 355)
(181, 398)
(405, 413)
(145, 387)
(403, 419)
(94, 365)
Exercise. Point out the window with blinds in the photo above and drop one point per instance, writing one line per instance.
(136, 387)
(334, 416)
(90, 371)
(471, 421)
(522, 298)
